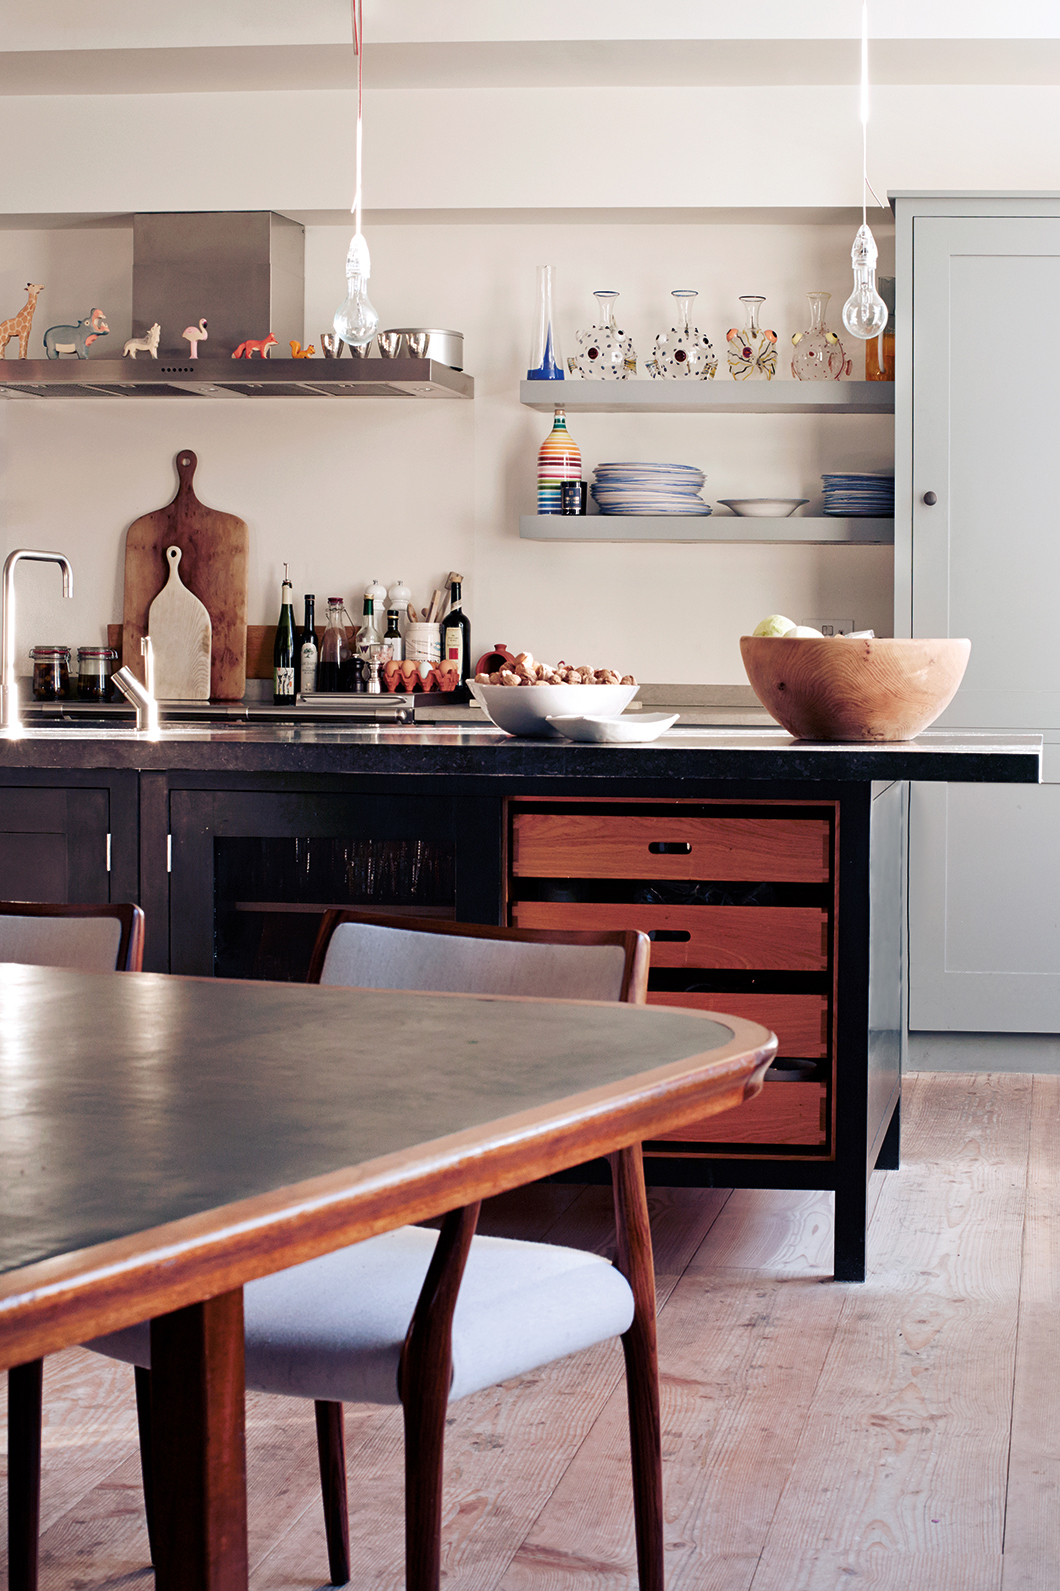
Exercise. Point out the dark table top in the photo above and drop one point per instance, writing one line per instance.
(956, 756)
(129, 1102)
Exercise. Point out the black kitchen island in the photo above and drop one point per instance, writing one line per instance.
(769, 873)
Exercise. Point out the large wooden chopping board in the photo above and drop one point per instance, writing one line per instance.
(215, 551)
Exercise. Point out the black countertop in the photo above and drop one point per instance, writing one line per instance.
(746, 754)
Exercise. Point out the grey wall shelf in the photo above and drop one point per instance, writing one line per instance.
(720, 396)
(707, 527)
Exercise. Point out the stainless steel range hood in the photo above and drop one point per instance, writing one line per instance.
(244, 272)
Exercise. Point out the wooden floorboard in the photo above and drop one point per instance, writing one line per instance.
(896, 1436)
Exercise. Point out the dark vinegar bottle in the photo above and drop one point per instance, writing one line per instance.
(456, 637)
(283, 653)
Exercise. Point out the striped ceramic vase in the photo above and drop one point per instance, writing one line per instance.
(558, 460)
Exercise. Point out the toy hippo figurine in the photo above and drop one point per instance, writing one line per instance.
(75, 339)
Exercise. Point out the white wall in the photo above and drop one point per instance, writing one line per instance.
(347, 491)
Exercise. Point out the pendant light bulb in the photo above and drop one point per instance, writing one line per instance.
(864, 313)
(356, 320)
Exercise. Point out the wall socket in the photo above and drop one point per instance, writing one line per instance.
(830, 626)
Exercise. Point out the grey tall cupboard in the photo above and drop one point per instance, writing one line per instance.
(977, 553)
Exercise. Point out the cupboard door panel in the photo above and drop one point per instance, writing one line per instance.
(783, 1113)
(800, 1021)
(773, 938)
(665, 845)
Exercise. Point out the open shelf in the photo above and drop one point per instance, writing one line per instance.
(720, 396)
(860, 532)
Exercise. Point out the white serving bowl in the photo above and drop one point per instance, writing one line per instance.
(763, 507)
(525, 709)
(627, 729)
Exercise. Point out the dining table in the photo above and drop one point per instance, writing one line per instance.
(166, 1139)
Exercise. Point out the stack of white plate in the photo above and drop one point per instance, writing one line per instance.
(649, 489)
(860, 493)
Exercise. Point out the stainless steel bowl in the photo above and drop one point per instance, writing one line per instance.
(447, 347)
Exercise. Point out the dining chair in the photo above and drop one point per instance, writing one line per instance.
(86, 939)
(423, 1318)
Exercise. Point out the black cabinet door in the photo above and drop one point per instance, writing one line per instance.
(54, 844)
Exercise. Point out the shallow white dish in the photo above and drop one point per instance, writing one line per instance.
(526, 709)
(611, 731)
(763, 507)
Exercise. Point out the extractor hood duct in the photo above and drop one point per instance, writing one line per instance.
(243, 271)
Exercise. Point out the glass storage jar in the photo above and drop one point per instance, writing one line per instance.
(95, 665)
(51, 673)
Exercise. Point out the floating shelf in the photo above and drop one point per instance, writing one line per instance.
(720, 396)
(861, 532)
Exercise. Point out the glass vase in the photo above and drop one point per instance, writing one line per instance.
(546, 361)
(752, 348)
(559, 459)
(683, 350)
(605, 352)
(819, 355)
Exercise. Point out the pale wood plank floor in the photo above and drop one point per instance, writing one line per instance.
(899, 1436)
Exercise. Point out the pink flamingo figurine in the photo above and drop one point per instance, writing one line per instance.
(194, 335)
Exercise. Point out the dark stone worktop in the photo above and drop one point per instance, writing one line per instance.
(680, 754)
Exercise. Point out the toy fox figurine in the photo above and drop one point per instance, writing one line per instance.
(260, 346)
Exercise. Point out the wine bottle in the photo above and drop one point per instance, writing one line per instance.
(283, 653)
(393, 635)
(308, 655)
(456, 636)
(369, 641)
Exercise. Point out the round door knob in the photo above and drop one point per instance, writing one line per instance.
(930, 499)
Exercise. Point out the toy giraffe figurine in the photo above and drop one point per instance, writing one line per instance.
(19, 325)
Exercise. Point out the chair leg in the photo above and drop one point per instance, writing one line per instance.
(143, 1421)
(424, 1380)
(331, 1452)
(24, 1406)
(642, 1368)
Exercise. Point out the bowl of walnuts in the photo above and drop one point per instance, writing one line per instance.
(522, 697)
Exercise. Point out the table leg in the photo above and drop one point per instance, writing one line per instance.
(198, 1447)
(24, 1391)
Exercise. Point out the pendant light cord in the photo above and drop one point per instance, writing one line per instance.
(358, 45)
(865, 183)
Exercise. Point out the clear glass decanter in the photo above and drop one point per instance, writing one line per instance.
(683, 350)
(819, 355)
(752, 348)
(605, 352)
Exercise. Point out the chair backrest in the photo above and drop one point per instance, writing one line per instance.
(372, 950)
(84, 938)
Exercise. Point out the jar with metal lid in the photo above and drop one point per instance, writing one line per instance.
(95, 665)
(51, 673)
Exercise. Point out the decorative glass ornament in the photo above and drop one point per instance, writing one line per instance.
(356, 321)
(864, 313)
(683, 350)
(559, 459)
(546, 361)
(819, 355)
(605, 352)
(752, 348)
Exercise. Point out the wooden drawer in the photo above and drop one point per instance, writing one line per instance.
(670, 845)
(783, 1113)
(773, 938)
(800, 1021)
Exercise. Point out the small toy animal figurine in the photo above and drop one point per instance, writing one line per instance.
(145, 345)
(262, 345)
(298, 352)
(19, 325)
(193, 336)
(75, 339)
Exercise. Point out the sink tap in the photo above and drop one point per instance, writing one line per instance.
(143, 699)
(9, 714)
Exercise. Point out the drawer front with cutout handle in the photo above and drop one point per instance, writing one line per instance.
(671, 845)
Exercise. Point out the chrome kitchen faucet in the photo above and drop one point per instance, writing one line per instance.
(9, 714)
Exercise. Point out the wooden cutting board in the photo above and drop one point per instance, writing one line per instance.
(179, 627)
(215, 551)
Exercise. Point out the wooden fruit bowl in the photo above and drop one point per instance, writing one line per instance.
(836, 688)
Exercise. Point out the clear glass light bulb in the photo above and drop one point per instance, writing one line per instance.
(356, 321)
(864, 313)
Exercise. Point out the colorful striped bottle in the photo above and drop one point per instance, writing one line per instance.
(558, 460)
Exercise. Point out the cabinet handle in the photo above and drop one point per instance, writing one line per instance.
(670, 847)
(931, 498)
(670, 936)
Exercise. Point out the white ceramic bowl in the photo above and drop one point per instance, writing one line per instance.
(525, 709)
(626, 729)
(763, 507)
